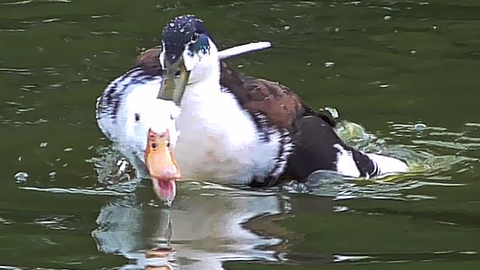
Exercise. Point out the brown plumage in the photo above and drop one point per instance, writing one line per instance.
(276, 102)
(149, 61)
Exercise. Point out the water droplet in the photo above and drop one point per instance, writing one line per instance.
(43, 144)
(413, 52)
(153, 203)
(52, 175)
(4, 221)
(338, 209)
(286, 27)
(122, 166)
(387, 18)
(68, 149)
(420, 127)
(21, 177)
(384, 85)
(329, 64)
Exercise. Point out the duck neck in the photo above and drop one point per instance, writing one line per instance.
(206, 88)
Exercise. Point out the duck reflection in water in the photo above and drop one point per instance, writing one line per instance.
(203, 229)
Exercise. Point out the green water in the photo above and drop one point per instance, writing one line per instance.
(387, 65)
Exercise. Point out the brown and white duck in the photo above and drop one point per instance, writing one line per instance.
(238, 129)
(232, 128)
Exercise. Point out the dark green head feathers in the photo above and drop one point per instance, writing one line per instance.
(185, 31)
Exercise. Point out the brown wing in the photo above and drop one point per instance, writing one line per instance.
(280, 105)
(149, 61)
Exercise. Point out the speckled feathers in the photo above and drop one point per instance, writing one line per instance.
(183, 31)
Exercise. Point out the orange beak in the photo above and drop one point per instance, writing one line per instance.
(159, 157)
(161, 165)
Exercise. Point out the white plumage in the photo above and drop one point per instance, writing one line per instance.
(129, 107)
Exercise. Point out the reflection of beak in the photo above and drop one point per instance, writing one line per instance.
(174, 82)
(161, 165)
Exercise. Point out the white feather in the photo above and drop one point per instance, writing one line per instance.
(241, 49)
(345, 162)
(140, 103)
(385, 165)
(388, 165)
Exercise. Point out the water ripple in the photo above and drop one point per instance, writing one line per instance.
(54, 222)
(378, 258)
(19, 71)
(37, 2)
(82, 191)
(5, 221)
(6, 267)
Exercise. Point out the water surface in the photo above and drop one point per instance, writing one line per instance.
(405, 71)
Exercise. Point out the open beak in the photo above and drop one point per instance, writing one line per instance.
(162, 165)
(175, 79)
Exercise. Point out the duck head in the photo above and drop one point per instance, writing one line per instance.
(189, 55)
(152, 126)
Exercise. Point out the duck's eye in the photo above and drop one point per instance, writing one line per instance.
(137, 117)
(171, 117)
(177, 74)
(154, 145)
(168, 144)
(195, 37)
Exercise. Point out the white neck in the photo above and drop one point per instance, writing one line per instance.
(218, 139)
(204, 81)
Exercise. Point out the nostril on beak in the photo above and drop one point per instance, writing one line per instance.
(168, 174)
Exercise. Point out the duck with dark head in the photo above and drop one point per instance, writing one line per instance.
(238, 129)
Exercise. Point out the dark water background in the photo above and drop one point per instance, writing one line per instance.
(407, 71)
